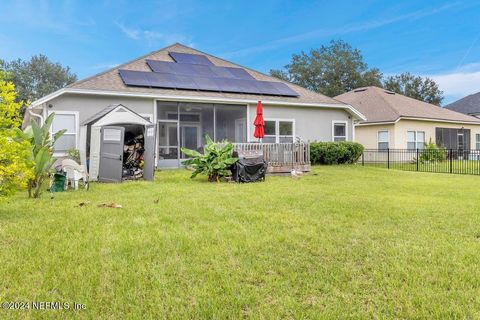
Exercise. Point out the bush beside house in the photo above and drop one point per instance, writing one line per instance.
(335, 152)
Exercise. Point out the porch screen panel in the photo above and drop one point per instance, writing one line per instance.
(230, 123)
(196, 120)
(167, 110)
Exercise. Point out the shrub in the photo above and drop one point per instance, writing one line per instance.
(74, 154)
(215, 162)
(335, 152)
(432, 153)
(41, 153)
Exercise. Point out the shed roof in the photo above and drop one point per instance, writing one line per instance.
(380, 105)
(97, 116)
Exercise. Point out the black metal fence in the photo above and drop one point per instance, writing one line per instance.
(424, 160)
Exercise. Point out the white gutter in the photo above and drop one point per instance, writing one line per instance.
(473, 122)
(55, 94)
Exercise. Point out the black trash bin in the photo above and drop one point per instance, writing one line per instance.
(249, 170)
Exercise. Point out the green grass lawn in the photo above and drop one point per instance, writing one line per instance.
(342, 242)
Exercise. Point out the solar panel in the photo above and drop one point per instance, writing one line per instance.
(222, 72)
(187, 82)
(180, 57)
(240, 73)
(247, 86)
(160, 80)
(207, 84)
(283, 89)
(161, 66)
(134, 78)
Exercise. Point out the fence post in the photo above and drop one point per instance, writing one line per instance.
(363, 160)
(450, 156)
(388, 158)
(417, 159)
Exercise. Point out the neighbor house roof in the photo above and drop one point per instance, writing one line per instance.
(110, 80)
(468, 105)
(380, 105)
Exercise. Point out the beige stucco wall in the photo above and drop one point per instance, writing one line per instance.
(367, 135)
(429, 128)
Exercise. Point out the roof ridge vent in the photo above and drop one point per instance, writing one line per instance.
(389, 92)
(360, 89)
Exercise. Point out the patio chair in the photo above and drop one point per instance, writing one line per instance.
(75, 172)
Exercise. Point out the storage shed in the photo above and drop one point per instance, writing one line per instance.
(120, 145)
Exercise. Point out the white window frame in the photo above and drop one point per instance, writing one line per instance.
(277, 128)
(415, 140)
(334, 122)
(77, 128)
(477, 141)
(378, 139)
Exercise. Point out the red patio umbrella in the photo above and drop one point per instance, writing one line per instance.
(259, 123)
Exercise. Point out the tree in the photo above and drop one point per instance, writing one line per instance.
(41, 153)
(15, 167)
(330, 70)
(37, 77)
(416, 87)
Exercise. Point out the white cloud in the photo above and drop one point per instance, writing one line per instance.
(458, 83)
(129, 32)
(153, 37)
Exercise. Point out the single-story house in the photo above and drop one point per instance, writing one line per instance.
(468, 105)
(396, 121)
(176, 95)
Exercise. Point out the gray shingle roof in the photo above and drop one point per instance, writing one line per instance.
(468, 105)
(380, 105)
(111, 81)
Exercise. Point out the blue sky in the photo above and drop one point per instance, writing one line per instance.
(440, 39)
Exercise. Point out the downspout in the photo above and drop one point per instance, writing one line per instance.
(33, 114)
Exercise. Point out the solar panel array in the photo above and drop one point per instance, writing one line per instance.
(196, 72)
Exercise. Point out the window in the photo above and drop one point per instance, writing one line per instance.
(477, 145)
(340, 131)
(382, 139)
(415, 140)
(67, 121)
(278, 131)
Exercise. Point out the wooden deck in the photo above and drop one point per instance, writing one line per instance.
(281, 157)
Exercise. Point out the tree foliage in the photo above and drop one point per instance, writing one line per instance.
(37, 77)
(338, 68)
(424, 89)
(41, 154)
(15, 167)
(330, 70)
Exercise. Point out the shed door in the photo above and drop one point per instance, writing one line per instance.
(111, 154)
(149, 154)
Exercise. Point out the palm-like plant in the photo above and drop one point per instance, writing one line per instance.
(42, 153)
(215, 162)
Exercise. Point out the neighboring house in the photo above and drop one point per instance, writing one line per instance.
(468, 105)
(185, 94)
(399, 122)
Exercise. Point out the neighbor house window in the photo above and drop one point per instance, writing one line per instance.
(278, 131)
(415, 140)
(339, 131)
(382, 139)
(65, 121)
(477, 144)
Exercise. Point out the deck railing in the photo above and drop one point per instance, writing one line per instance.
(281, 157)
